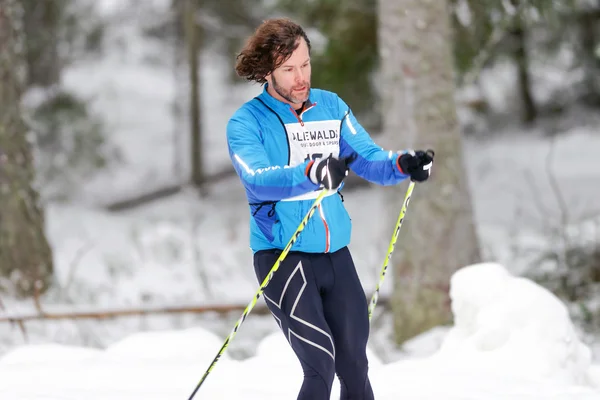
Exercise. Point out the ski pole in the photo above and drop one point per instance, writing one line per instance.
(260, 291)
(390, 250)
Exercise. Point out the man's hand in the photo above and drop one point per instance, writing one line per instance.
(329, 172)
(417, 164)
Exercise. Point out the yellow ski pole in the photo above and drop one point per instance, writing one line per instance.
(390, 250)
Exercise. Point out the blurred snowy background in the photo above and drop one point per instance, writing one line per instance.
(128, 230)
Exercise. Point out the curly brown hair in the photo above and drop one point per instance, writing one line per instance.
(271, 45)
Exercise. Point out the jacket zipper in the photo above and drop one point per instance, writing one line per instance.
(327, 234)
(299, 117)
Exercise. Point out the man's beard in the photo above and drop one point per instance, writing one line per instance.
(287, 94)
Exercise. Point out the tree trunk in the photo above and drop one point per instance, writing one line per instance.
(41, 21)
(589, 33)
(192, 40)
(25, 255)
(529, 112)
(439, 235)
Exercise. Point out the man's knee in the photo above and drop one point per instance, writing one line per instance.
(318, 380)
(354, 380)
(352, 369)
(324, 368)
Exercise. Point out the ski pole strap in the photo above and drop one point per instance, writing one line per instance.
(261, 205)
(271, 212)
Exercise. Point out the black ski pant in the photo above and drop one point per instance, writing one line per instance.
(319, 304)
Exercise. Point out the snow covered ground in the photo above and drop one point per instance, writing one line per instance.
(511, 338)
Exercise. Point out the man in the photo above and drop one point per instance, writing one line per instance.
(288, 144)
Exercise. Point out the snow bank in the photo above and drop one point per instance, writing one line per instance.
(197, 345)
(509, 323)
(511, 339)
(48, 354)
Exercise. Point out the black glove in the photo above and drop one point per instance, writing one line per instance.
(329, 172)
(417, 164)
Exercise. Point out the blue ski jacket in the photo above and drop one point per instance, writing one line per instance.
(272, 147)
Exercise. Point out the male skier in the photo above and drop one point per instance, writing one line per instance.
(287, 145)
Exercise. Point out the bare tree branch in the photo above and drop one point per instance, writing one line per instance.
(260, 309)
